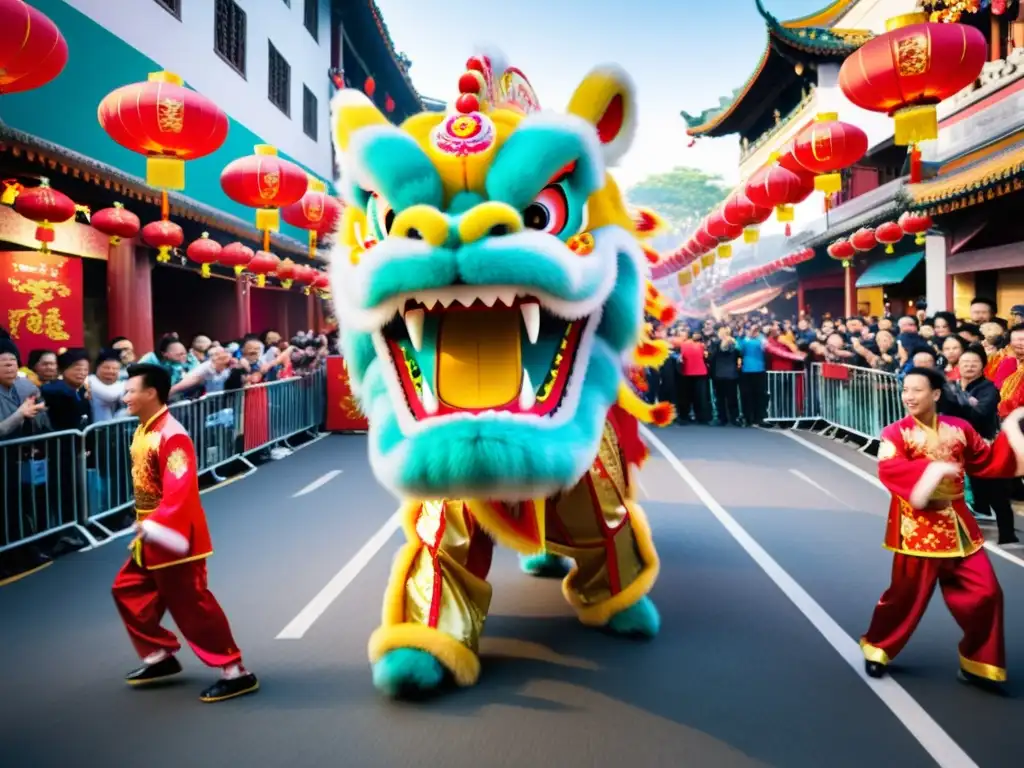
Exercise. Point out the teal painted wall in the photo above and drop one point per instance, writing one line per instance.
(64, 110)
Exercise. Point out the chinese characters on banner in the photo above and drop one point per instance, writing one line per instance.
(41, 300)
(343, 414)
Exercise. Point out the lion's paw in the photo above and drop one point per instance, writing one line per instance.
(407, 673)
(639, 620)
(544, 565)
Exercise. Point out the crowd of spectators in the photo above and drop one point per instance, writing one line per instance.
(718, 368)
(51, 392)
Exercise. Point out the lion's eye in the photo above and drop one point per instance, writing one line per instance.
(549, 212)
(381, 214)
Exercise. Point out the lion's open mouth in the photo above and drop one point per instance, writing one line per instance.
(474, 349)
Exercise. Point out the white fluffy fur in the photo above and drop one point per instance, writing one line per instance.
(164, 537)
(614, 150)
(583, 130)
(1011, 428)
(930, 479)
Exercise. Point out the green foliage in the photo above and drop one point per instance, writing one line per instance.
(682, 196)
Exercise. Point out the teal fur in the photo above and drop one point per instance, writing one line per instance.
(404, 173)
(639, 620)
(530, 158)
(544, 565)
(625, 304)
(407, 671)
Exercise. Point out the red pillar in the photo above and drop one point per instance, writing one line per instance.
(283, 300)
(243, 315)
(130, 295)
(801, 306)
(311, 312)
(850, 285)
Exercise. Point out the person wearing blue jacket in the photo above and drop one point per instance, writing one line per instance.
(753, 376)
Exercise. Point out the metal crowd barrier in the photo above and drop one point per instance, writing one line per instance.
(73, 480)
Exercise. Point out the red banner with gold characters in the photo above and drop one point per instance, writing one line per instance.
(343, 414)
(41, 300)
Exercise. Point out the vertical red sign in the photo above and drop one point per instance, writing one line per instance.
(41, 300)
(343, 414)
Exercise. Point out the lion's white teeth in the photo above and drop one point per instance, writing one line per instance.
(531, 318)
(489, 299)
(414, 325)
(508, 298)
(428, 398)
(527, 397)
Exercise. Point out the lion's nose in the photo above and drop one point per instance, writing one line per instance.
(491, 219)
(421, 222)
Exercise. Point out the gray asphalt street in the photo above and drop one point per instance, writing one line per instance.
(771, 565)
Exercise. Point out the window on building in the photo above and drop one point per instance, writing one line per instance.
(173, 7)
(313, 18)
(229, 34)
(309, 113)
(280, 81)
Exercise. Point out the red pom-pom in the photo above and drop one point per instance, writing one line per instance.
(663, 414)
(470, 82)
(476, 64)
(467, 103)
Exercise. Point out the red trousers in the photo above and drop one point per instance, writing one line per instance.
(972, 594)
(143, 596)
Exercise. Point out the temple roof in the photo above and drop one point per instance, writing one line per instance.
(789, 43)
(980, 179)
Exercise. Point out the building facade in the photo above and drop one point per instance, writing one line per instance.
(271, 66)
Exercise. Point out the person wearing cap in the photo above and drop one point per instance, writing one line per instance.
(922, 460)
(67, 398)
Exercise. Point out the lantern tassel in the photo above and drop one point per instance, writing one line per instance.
(268, 219)
(11, 191)
(915, 124)
(829, 183)
(789, 229)
(286, 283)
(920, 239)
(205, 270)
(312, 245)
(890, 249)
(751, 235)
(261, 281)
(165, 172)
(238, 270)
(115, 240)
(163, 254)
(45, 233)
(783, 213)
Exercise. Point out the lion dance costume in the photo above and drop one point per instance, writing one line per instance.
(491, 291)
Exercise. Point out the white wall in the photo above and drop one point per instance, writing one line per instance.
(872, 14)
(186, 48)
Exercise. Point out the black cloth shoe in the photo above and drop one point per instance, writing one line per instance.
(153, 673)
(989, 686)
(874, 669)
(225, 689)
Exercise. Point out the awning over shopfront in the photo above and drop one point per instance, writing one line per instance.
(889, 271)
(750, 301)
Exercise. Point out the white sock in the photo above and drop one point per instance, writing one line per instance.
(232, 672)
(155, 658)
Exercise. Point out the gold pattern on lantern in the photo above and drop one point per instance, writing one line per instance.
(912, 56)
(170, 115)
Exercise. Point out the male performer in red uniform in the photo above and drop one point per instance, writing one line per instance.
(922, 461)
(167, 568)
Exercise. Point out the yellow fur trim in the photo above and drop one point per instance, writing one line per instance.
(661, 414)
(599, 614)
(453, 655)
(605, 207)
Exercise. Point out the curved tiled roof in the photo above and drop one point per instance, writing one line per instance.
(989, 177)
(786, 41)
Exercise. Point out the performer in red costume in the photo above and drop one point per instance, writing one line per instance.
(167, 567)
(922, 461)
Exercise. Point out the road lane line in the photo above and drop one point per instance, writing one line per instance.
(319, 482)
(819, 486)
(298, 626)
(995, 549)
(641, 486)
(928, 733)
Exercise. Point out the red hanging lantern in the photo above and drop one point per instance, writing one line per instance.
(305, 276)
(888, 234)
(204, 251)
(916, 224)
(317, 212)
(389, 103)
(235, 255)
(370, 86)
(806, 255)
(827, 147)
(163, 235)
(116, 223)
(166, 122)
(789, 162)
(45, 206)
(740, 211)
(911, 68)
(265, 182)
(262, 264)
(285, 272)
(842, 250)
(863, 240)
(32, 50)
(775, 187)
(322, 284)
(705, 241)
